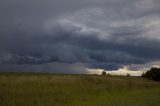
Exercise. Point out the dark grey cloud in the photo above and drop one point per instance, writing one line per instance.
(96, 34)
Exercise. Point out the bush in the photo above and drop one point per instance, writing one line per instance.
(103, 73)
(128, 75)
(153, 73)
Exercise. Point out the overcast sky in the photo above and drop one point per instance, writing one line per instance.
(74, 36)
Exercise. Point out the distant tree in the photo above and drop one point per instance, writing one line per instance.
(104, 73)
(153, 73)
(128, 75)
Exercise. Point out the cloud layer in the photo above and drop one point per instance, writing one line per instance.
(94, 34)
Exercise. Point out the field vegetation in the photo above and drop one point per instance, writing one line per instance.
(22, 89)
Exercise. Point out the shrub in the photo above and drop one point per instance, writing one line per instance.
(153, 73)
(103, 72)
(128, 75)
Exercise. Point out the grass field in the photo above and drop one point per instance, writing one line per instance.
(20, 89)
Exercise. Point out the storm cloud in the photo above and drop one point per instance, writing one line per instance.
(58, 36)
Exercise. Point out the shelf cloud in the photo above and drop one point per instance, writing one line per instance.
(58, 36)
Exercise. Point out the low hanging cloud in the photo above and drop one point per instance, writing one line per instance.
(88, 34)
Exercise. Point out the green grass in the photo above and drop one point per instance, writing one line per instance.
(20, 89)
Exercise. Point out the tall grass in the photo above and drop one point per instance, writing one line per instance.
(77, 90)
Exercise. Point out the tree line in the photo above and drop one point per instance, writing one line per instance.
(153, 73)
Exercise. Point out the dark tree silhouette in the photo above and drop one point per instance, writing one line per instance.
(153, 73)
(103, 72)
(128, 75)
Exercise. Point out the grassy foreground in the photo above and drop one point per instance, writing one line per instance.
(77, 90)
